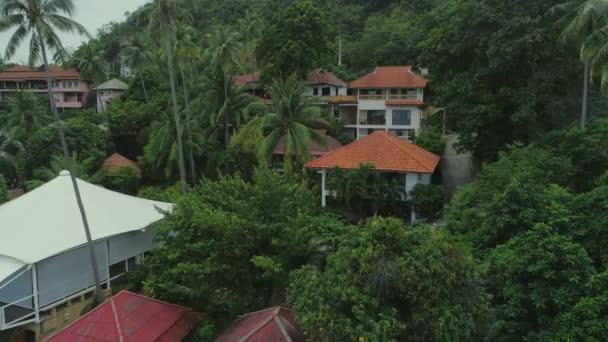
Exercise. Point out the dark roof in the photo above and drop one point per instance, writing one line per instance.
(276, 324)
(321, 76)
(315, 149)
(130, 317)
(318, 76)
(384, 151)
(14, 193)
(390, 77)
(23, 73)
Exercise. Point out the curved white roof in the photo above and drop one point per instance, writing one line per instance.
(46, 221)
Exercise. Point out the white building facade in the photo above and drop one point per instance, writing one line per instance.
(390, 99)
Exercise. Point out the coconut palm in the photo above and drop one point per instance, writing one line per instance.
(226, 102)
(86, 169)
(9, 147)
(24, 115)
(92, 64)
(293, 115)
(162, 148)
(162, 14)
(582, 19)
(137, 57)
(42, 19)
(595, 46)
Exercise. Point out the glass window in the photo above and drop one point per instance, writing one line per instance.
(376, 117)
(326, 91)
(364, 91)
(76, 84)
(336, 91)
(315, 91)
(394, 91)
(402, 117)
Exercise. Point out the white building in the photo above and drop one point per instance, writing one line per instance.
(108, 91)
(46, 276)
(389, 99)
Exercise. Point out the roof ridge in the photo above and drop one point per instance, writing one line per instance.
(126, 292)
(391, 138)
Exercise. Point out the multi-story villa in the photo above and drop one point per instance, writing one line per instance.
(69, 90)
(108, 91)
(389, 99)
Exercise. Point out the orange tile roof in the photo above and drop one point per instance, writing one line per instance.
(22, 73)
(318, 76)
(247, 79)
(384, 151)
(390, 77)
(117, 161)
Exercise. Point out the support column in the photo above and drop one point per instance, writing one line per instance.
(323, 191)
(35, 292)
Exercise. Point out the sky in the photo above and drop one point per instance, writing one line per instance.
(93, 14)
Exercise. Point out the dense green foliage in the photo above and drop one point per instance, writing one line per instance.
(428, 200)
(387, 282)
(3, 189)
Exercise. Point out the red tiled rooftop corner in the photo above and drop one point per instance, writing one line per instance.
(382, 150)
(390, 77)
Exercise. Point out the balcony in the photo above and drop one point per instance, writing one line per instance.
(388, 97)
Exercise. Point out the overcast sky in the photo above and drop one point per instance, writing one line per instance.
(93, 14)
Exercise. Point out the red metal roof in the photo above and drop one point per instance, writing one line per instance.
(247, 79)
(315, 149)
(130, 317)
(390, 77)
(23, 73)
(384, 151)
(117, 161)
(276, 324)
(320, 76)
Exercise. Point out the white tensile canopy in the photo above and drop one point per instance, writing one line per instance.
(46, 221)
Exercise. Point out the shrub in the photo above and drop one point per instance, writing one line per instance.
(428, 200)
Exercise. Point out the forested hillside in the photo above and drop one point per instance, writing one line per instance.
(520, 253)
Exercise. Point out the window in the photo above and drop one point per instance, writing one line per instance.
(326, 91)
(336, 91)
(394, 91)
(65, 84)
(364, 91)
(337, 113)
(402, 117)
(315, 91)
(420, 177)
(76, 84)
(375, 117)
(118, 269)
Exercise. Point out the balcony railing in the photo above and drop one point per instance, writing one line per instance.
(387, 97)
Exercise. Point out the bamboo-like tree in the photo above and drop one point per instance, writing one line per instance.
(163, 15)
(293, 115)
(581, 20)
(24, 115)
(92, 64)
(42, 19)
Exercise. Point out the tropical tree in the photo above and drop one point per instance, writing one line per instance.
(92, 65)
(42, 19)
(9, 147)
(87, 170)
(24, 115)
(582, 19)
(293, 115)
(163, 150)
(138, 56)
(163, 16)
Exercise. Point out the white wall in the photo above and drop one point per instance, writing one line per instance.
(411, 179)
(309, 90)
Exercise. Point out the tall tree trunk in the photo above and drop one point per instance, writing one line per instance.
(143, 85)
(178, 127)
(188, 128)
(339, 48)
(226, 113)
(70, 166)
(585, 92)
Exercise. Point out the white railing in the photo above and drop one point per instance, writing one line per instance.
(20, 319)
(387, 97)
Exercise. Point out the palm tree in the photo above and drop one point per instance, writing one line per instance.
(581, 19)
(137, 57)
(25, 114)
(92, 65)
(163, 14)
(293, 115)
(226, 102)
(86, 170)
(187, 51)
(162, 148)
(41, 19)
(9, 147)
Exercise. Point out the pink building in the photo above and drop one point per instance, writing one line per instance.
(69, 90)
